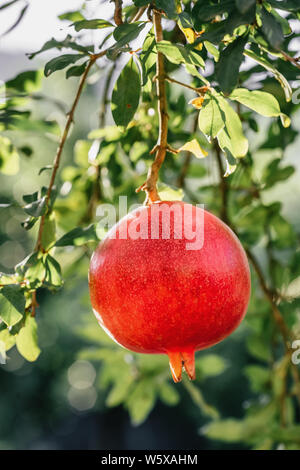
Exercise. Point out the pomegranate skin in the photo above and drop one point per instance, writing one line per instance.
(157, 296)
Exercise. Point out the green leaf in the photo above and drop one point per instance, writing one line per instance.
(59, 63)
(287, 5)
(27, 340)
(231, 137)
(78, 236)
(126, 95)
(6, 338)
(271, 29)
(12, 304)
(71, 16)
(9, 157)
(36, 208)
(229, 430)
(258, 376)
(227, 68)
(212, 50)
(244, 5)
(210, 365)
(178, 54)
(76, 70)
(53, 272)
(68, 43)
(268, 66)
(49, 232)
(206, 12)
(35, 273)
(199, 400)
(168, 394)
(167, 193)
(124, 34)
(260, 101)
(28, 81)
(211, 120)
(141, 401)
(273, 174)
(168, 6)
(91, 24)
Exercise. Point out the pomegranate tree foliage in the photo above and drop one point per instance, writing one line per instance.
(235, 55)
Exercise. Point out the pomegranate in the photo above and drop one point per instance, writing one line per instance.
(170, 278)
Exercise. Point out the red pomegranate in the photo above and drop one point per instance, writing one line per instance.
(170, 278)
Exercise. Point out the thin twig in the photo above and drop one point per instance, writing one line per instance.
(200, 90)
(187, 160)
(96, 195)
(138, 14)
(56, 162)
(150, 186)
(223, 185)
(118, 12)
(294, 60)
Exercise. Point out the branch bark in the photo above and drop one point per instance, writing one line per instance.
(93, 58)
(150, 186)
(118, 12)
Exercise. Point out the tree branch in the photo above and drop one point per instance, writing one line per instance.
(150, 186)
(56, 162)
(118, 12)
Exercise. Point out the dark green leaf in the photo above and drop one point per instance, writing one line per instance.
(67, 43)
(271, 29)
(227, 68)
(127, 32)
(76, 70)
(36, 208)
(287, 5)
(30, 197)
(168, 6)
(59, 63)
(206, 12)
(91, 24)
(78, 236)
(244, 5)
(12, 304)
(126, 95)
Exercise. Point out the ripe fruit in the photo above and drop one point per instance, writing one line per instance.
(157, 295)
